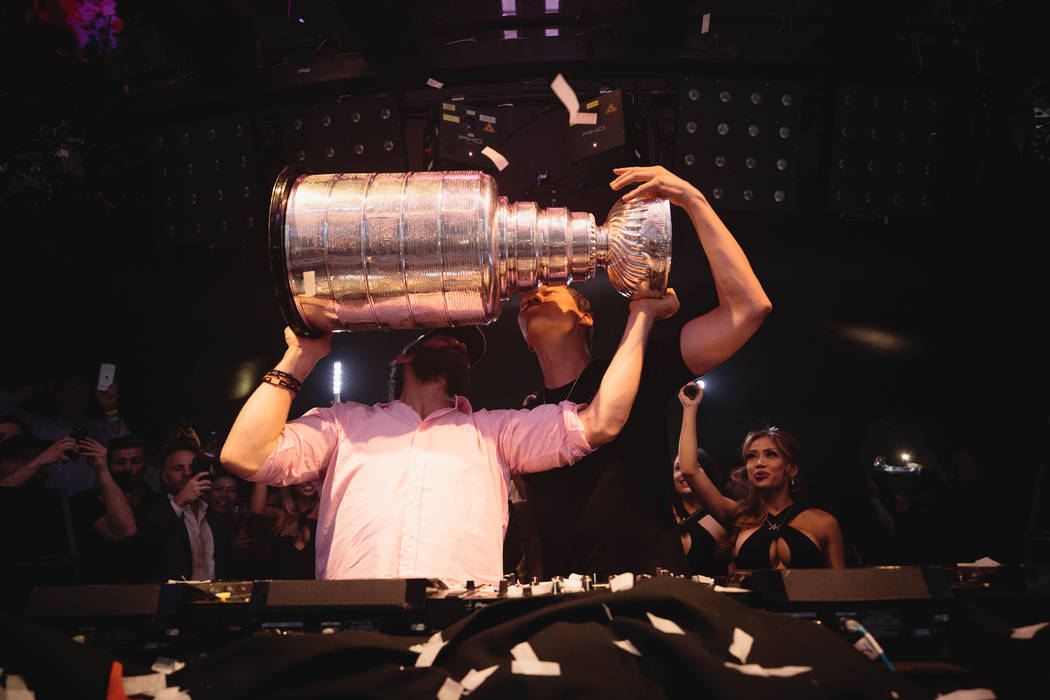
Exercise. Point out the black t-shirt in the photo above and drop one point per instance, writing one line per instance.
(610, 512)
(102, 560)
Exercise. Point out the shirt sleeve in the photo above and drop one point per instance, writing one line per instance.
(304, 450)
(542, 438)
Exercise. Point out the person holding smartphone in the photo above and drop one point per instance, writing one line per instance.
(771, 527)
(66, 411)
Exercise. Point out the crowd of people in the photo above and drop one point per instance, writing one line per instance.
(172, 513)
(579, 480)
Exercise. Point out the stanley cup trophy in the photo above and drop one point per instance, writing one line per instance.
(358, 251)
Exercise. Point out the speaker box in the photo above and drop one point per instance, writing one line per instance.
(866, 584)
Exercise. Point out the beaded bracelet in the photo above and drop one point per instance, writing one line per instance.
(282, 379)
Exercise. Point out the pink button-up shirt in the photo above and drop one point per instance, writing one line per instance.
(403, 497)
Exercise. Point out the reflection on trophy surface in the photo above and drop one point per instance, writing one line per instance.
(353, 251)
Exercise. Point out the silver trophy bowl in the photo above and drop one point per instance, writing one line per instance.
(358, 251)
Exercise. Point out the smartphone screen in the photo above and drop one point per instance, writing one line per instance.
(106, 374)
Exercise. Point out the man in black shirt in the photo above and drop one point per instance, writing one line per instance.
(611, 512)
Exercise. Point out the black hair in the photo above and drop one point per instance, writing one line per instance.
(127, 442)
(173, 447)
(15, 420)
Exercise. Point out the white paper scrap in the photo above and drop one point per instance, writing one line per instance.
(564, 92)
(165, 665)
(474, 678)
(741, 645)
(150, 684)
(776, 671)
(496, 157)
(526, 663)
(449, 690)
(621, 582)
(969, 694)
(1028, 631)
(428, 651)
(868, 646)
(309, 283)
(730, 589)
(664, 625)
(983, 561)
(172, 693)
(626, 645)
(705, 23)
(435, 83)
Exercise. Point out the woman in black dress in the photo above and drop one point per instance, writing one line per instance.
(293, 528)
(768, 528)
(703, 538)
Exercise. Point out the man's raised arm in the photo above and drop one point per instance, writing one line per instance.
(607, 413)
(708, 340)
(254, 434)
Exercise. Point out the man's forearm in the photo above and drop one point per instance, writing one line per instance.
(608, 411)
(23, 476)
(120, 520)
(254, 434)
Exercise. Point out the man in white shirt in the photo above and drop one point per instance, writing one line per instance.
(181, 540)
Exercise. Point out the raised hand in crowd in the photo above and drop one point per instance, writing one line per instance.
(197, 485)
(118, 521)
(27, 473)
(95, 452)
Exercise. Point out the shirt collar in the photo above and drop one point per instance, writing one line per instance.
(179, 510)
(462, 405)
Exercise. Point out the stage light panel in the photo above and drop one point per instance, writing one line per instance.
(739, 142)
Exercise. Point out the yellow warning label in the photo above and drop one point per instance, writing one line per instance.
(592, 104)
(450, 118)
(488, 128)
(611, 108)
(448, 106)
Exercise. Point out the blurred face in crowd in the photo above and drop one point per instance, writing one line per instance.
(126, 465)
(767, 466)
(10, 430)
(73, 397)
(680, 484)
(177, 470)
(223, 495)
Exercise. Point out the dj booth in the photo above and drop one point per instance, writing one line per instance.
(777, 634)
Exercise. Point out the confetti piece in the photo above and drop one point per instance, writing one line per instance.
(626, 645)
(741, 645)
(773, 672)
(664, 625)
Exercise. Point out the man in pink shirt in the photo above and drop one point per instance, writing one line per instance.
(418, 487)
